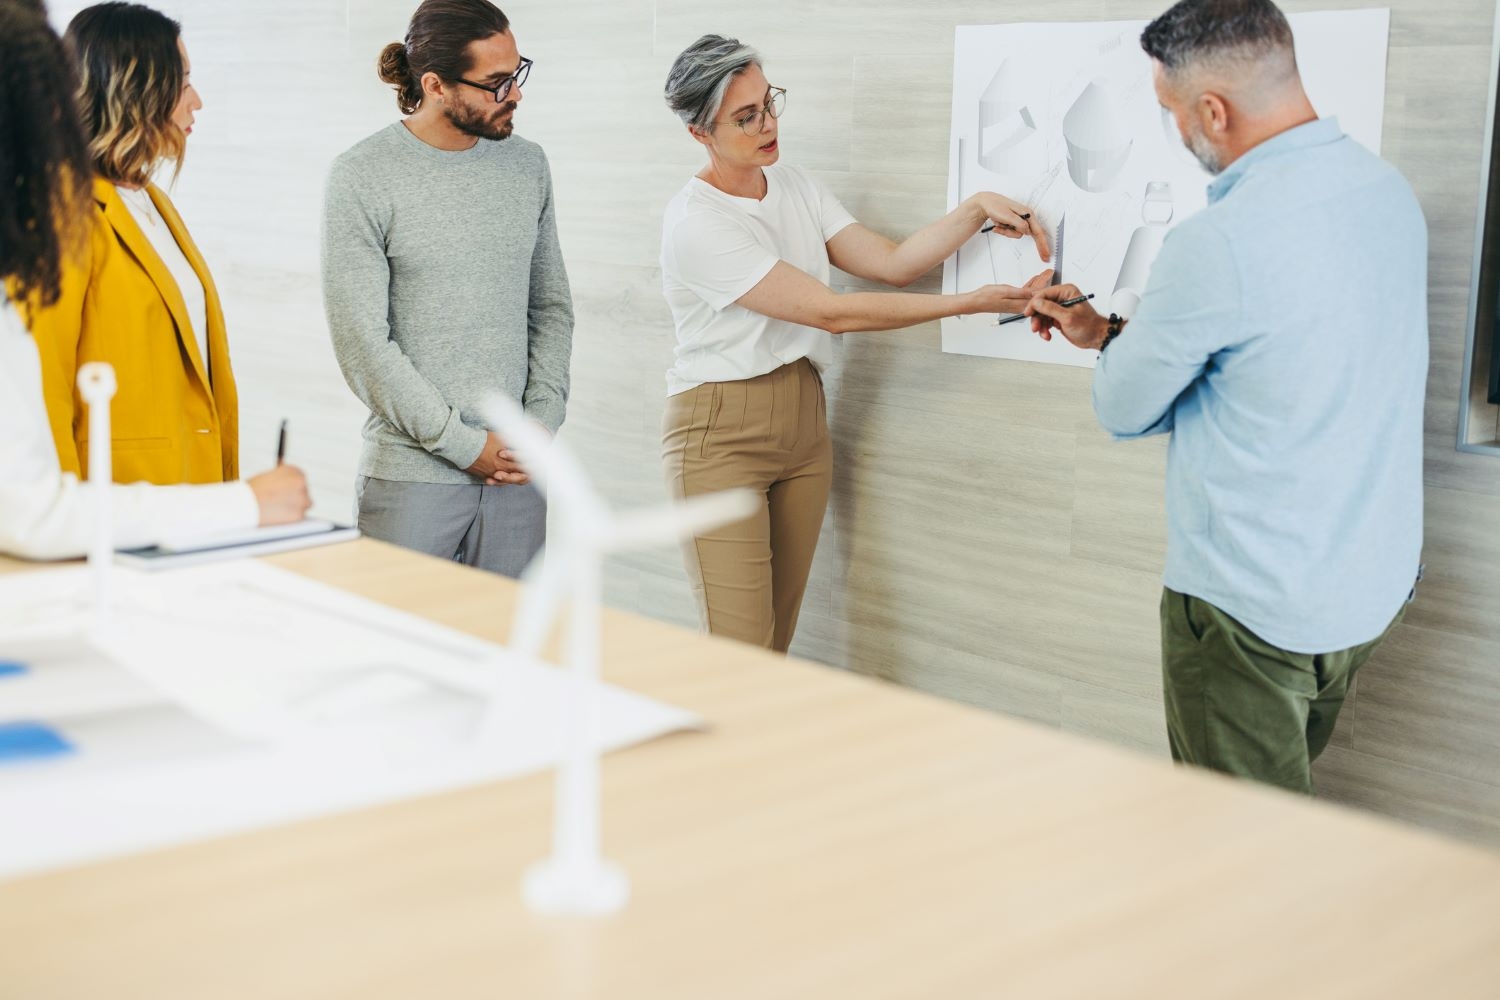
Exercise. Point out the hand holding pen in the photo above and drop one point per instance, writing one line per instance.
(1064, 304)
(1063, 308)
(281, 494)
(1011, 219)
(990, 227)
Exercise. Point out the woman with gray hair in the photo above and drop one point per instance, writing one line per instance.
(747, 251)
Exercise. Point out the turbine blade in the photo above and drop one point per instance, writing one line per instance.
(683, 519)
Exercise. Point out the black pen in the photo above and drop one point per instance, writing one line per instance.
(1064, 302)
(281, 444)
(1025, 217)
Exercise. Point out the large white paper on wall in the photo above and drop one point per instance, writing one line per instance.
(1063, 117)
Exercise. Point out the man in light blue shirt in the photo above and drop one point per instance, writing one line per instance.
(1282, 342)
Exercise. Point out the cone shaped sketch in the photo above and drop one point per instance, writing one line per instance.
(1008, 138)
(1098, 142)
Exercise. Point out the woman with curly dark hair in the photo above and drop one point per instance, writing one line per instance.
(140, 295)
(45, 172)
(44, 168)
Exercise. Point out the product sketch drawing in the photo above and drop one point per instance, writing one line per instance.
(1008, 136)
(1145, 244)
(1097, 137)
(1065, 118)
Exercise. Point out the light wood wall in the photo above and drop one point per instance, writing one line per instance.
(986, 541)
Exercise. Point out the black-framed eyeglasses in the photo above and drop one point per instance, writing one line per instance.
(754, 123)
(501, 90)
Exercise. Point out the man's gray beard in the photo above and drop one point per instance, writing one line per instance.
(1198, 145)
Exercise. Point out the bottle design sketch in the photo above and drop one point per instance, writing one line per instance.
(1145, 244)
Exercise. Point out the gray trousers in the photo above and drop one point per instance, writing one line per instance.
(496, 528)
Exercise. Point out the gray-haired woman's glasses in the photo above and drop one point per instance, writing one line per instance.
(754, 123)
(501, 90)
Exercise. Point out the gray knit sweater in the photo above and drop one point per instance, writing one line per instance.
(443, 281)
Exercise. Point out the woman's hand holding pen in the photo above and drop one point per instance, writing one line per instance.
(281, 494)
(1010, 219)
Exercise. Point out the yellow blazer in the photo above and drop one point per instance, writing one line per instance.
(172, 421)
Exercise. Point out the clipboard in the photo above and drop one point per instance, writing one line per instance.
(198, 549)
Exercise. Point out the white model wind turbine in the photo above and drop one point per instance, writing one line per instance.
(576, 879)
(96, 384)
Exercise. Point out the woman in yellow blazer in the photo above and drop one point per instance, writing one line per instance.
(140, 295)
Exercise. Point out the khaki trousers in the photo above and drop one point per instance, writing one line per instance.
(768, 434)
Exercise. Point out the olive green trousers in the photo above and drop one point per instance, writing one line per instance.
(1236, 703)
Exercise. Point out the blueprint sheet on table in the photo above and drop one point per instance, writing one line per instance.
(235, 696)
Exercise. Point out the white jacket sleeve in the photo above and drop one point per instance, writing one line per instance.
(45, 514)
(53, 518)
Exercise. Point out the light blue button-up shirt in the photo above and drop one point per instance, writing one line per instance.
(1282, 341)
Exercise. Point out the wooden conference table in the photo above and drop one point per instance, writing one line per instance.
(831, 836)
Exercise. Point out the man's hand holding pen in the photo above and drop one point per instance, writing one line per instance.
(1079, 323)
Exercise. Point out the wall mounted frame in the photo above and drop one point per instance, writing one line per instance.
(1478, 413)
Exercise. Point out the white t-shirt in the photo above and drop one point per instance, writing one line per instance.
(48, 514)
(715, 247)
(165, 244)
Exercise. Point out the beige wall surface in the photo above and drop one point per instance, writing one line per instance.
(986, 541)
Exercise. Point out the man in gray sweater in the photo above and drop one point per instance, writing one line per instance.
(443, 282)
